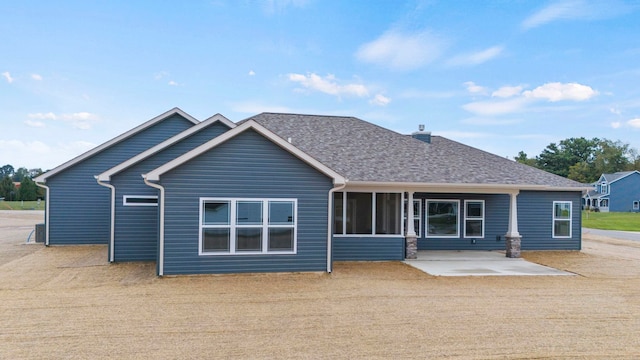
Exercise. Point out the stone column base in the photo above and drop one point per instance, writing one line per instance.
(412, 248)
(513, 246)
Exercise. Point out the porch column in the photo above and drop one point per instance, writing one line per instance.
(513, 237)
(411, 238)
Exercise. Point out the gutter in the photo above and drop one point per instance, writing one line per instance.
(463, 188)
(161, 230)
(112, 230)
(46, 213)
(329, 225)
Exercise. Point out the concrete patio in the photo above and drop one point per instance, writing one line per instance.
(478, 263)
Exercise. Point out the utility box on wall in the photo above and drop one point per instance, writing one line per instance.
(40, 233)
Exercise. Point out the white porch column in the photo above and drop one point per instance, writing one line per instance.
(411, 238)
(513, 238)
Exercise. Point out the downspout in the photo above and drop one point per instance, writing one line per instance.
(112, 232)
(46, 213)
(330, 216)
(161, 230)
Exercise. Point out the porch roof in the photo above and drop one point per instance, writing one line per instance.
(366, 153)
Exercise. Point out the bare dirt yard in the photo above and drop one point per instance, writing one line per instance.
(68, 302)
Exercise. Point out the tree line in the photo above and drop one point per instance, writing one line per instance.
(584, 160)
(27, 191)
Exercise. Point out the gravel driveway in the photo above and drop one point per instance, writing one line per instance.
(67, 302)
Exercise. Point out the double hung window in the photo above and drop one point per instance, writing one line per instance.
(562, 219)
(247, 226)
(474, 218)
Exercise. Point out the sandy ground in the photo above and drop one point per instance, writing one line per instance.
(67, 302)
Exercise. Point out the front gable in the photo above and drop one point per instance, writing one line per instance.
(247, 166)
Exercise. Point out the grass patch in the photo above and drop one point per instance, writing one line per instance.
(21, 205)
(624, 221)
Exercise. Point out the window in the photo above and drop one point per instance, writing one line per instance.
(139, 200)
(247, 226)
(474, 218)
(442, 218)
(604, 189)
(361, 213)
(417, 215)
(562, 219)
(636, 205)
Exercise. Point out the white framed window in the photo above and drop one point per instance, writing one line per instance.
(139, 200)
(248, 226)
(417, 216)
(474, 218)
(636, 205)
(562, 219)
(367, 213)
(604, 188)
(443, 218)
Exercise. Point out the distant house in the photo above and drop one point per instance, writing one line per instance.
(619, 192)
(289, 192)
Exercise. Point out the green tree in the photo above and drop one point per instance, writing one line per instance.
(559, 158)
(611, 156)
(6, 170)
(20, 174)
(7, 189)
(524, 159)
(28, 190)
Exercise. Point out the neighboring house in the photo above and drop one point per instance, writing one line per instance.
(618, 192)
(287, 192)
(77, 209)
(134, 205)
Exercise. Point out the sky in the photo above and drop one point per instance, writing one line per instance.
(502, 76)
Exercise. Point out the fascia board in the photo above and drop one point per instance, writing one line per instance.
(460, 188)
(106, 176)
(155, 174)
(117, 139)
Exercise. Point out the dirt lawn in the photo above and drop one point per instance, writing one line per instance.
(67, 302)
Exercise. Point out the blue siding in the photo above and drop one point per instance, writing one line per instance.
(624, 192)
(246, 166)
(79, 208)
(368, 248)
(496, 219)
(136, 227)
(535, 220)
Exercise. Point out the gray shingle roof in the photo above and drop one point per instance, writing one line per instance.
(616, 176)
(362, 151)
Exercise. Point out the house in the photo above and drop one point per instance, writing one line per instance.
(290, 192)
(619, 192)
(77, 209)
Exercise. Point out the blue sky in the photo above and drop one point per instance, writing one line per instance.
(502, 76)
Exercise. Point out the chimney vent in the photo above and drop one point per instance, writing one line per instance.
(421, 127)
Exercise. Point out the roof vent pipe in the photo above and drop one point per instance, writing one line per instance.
(421, 127)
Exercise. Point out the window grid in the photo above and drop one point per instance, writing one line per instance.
(468, 219)
(265, 228)
(562, 219)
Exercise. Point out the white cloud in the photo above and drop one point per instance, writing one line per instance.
(160, 75)
(36, 77)
(34, 123)
(172, 83)
(329, 85)
(616, 124)
(79, 120)
(474, 88)
(615, 111)
(507, 91)
(252, 73)
(558, 91)
(634, 123)
(575, 10)
(274, 6)
(402, 51)
(380, 100)
(7, 77)
(476, 58)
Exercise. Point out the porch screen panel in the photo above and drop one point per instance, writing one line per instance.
(359, 213)
(388, 213)
(338, 214)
